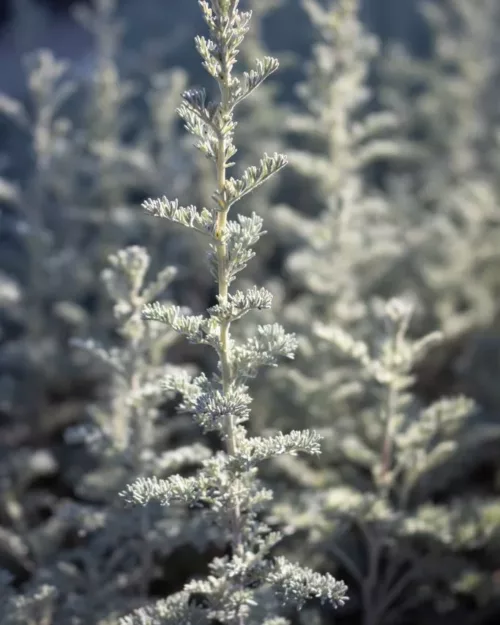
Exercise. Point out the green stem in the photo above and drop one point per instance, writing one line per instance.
(223, 284)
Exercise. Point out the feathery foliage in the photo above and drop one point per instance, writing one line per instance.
(227, 484)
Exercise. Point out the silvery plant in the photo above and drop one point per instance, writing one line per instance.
(112, 562)
(448, 197)
(345, 253)
(250, 583)
(368, 502)
(77, 147)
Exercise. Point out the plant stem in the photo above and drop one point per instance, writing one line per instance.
(387, 444)
(223, 285)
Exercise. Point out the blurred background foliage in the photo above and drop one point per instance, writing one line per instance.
(392, 124)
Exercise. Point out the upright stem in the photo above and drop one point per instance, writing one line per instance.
(223, 285)
(386, 454)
